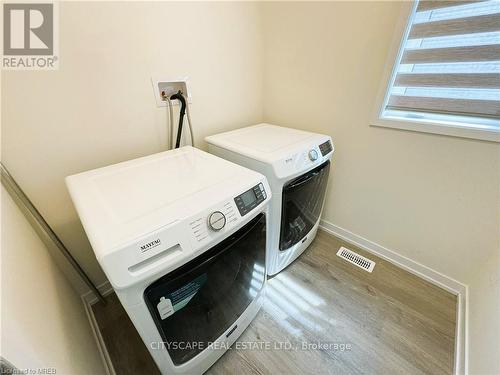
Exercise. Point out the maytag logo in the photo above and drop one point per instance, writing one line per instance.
(150, 245)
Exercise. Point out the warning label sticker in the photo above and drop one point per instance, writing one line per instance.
(179, 298)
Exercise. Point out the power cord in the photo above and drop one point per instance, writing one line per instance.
(178, 96)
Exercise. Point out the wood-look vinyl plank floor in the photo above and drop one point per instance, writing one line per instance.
(323, 315)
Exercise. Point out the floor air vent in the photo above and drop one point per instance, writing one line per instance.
(356, 259)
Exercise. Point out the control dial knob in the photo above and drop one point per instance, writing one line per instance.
(216, 221)
(313, 155)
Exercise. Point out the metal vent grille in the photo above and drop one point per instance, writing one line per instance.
(356, 259)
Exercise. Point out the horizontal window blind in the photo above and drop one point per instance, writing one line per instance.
(450, 62)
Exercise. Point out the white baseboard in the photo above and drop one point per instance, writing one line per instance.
(462, 334)
(401, 261)
(447, 283)
(89, 299)
(105, 288)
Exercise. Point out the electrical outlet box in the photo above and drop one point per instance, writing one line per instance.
(170, 87)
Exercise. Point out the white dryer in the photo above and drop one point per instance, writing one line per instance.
(181, 236)
(296, 164)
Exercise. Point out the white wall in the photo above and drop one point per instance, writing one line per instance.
(43, 321)
(484, 318)
(431, 198)
(99, 108)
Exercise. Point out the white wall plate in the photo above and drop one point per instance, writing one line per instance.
(170, 86)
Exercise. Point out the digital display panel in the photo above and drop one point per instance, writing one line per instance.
(248, 197)
(325, 148)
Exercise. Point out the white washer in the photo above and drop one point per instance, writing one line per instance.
(181, 236)
(296, 164)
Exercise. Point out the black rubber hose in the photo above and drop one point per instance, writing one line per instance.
(180, 98)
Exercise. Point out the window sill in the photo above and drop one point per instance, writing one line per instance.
(426, 126)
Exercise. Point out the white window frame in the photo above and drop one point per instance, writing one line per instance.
(435, 124)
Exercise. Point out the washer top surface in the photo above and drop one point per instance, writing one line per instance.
(121, 202)
(265, 142)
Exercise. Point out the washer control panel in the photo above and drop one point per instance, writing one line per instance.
(250, 199)
(313, 155)
(222, 217)
(216, 221)
(326, 148)
(203, 226)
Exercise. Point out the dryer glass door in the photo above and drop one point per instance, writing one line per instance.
(302, 201)
(195, 304)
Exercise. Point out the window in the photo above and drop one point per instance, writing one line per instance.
(446, 78)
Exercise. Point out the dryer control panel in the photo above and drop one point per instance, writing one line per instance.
(310, 155)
